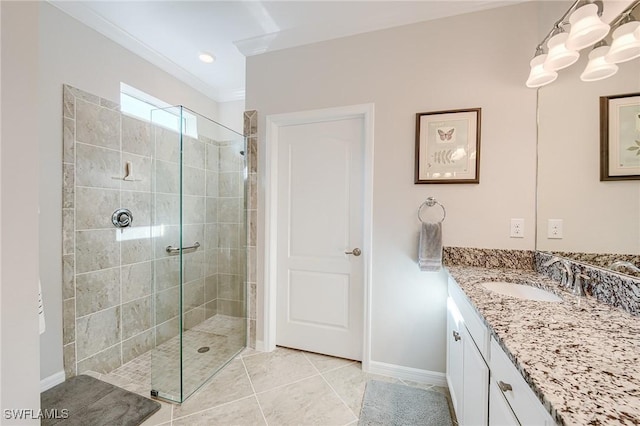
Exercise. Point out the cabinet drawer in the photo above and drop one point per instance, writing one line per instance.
(524, 403)
(472, 321)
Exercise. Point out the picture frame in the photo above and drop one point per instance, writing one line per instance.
(620, 137)
(448, 146)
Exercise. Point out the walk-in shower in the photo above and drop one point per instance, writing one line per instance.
(199, 250)
(154, 244)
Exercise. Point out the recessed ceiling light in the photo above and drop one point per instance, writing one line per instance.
(206, 57)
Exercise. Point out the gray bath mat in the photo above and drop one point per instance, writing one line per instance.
(85, 401)
(390, 404)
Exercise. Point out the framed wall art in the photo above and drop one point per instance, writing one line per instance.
(448, 146)
(620, 137)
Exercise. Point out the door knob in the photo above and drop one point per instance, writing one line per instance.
(356, 252)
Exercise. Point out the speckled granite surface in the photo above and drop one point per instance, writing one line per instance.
(488, 258)
(603, 260)
(581, 357)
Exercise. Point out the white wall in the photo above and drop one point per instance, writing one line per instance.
(74, 54)
(231, 114)
(476, 60)
(18, 217)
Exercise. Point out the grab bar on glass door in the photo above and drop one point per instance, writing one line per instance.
(171, 249)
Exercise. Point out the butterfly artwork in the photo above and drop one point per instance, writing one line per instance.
(446, 135)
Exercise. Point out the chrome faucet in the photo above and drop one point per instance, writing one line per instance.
(567, 274)
(619, 264)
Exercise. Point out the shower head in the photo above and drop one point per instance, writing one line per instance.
(242, 153)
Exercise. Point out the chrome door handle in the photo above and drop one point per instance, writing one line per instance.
(356, 252)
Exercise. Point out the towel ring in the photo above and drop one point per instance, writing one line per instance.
(430, 202)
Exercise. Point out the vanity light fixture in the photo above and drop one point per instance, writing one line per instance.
(598, 68)
(206, 57)
(586, 29)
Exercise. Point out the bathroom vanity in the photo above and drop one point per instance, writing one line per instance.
(517, 361)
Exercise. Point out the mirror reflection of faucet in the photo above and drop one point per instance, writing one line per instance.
(621, 264)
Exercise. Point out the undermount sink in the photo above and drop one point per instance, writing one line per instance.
(521, 291)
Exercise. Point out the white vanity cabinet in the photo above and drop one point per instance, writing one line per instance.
(485, 386)
(467, 370)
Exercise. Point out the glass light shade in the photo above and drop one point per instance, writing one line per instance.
(586, 27)
(538, 75)
(559, 56)
(626, 43)
(598, 68)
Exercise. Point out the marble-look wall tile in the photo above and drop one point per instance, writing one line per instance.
(252, 144)
(213, 157)
(193, 294)
(253, 228)
(229, 235)
(232, 308)
(252, 297)
(140, 173)
(252, 265)
(167, 209)
(68, 102)
(69, 360)
(81, 94)
(211, 288)
(95, 207)
(193, 317)
(193, 181)
(167, 330)
(137, 345)
(102, 362)
(167, 144)
(135, 250)
(230, 158)
(211, 236)
(68, 277)
(68, 225)
(136, 136)
(230, 287)
(167, 177)
(106, 103)
(230, 210)
(68, 321)
(167, 272)
(139, 203)
(68, 140)
(211, 308)
(230, 184)
(96, 125)
(96, 249)
(193, 209)
(136, 317)
(193, 233)
(97, 167)
(194, 153)
(211, 214)
(167, 304)
(252, 196)
(97, 332)
(192, 266)
(96, 291)
(68, 186)
(137, 281)
(211, 262)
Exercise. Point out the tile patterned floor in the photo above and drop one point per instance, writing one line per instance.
(283, 387)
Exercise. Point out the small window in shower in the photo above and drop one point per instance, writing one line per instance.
(139, 104)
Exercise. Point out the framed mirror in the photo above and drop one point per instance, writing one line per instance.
(578, 215)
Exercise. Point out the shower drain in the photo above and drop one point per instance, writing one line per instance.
(203, 349)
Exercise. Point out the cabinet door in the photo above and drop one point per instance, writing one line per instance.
(454, 359)
(475, 394)
(500, 413)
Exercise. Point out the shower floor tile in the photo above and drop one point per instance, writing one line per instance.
(325, 390)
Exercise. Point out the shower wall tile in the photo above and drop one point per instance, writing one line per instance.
(194, 152)
(170, 237)
(167, 304)
(251, 132)
(137, 345)
(167, 144)
(229, 235)
(252, 144)
(230, 158)
(167, 272)
(253, 228)
(193, 317)
(109, 104)
(96, 291)
(252, 198)
(97, 332)
(82, 95)
(68, 277)
(68, 140)
(68, 186)
(68, 321)
(68, 224)
(102, 362)
(211, 264)
(95, 207)
(230, 184)
(139, 203)
(230, 287)
(96, 249)
(69, 357)
(68, 103)
(167, 177)
(135, 250)
(232, 308)
(193, 266)
(230, 210)
(252, 265)
(193, 209)
(137, 281)
(140, 173)
(194, 294)
(212, 183)
(136, 136)
(210, 309)
(167, 209)
(96, 125)
(97, 167)
(213, 157)
(136, 317)
(211, 288)
(166, 330)
(193, 233)
(252, 296)
(211, 236)
(193, 181)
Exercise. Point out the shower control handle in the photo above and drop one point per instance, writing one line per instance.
(356, 252)
(122, 218)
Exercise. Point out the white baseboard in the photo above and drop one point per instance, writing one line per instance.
(51, 381)
(408, 373)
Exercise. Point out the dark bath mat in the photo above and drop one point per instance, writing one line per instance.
(85, 401)
(390, 404)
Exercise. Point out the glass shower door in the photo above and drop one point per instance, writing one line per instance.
(199, 250)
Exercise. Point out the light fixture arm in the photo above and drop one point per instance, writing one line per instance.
(626, 15)
(564, 20)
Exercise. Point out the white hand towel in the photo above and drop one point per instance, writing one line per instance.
(430, 247)
(41, 309)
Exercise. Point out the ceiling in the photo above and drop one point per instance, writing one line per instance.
(170, 34)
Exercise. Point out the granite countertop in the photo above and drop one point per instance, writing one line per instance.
(580, 357)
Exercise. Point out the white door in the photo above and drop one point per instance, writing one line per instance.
(320, 212)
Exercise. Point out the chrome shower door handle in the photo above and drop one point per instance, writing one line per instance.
(173, 250)
(356, 252)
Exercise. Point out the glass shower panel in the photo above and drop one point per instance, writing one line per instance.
(199, 250)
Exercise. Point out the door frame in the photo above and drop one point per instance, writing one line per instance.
(273, 124)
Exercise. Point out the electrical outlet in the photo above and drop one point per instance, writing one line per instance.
(517, 228)
(554, 229)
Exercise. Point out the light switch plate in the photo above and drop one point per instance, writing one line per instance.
(517, 228)
(554, 229)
